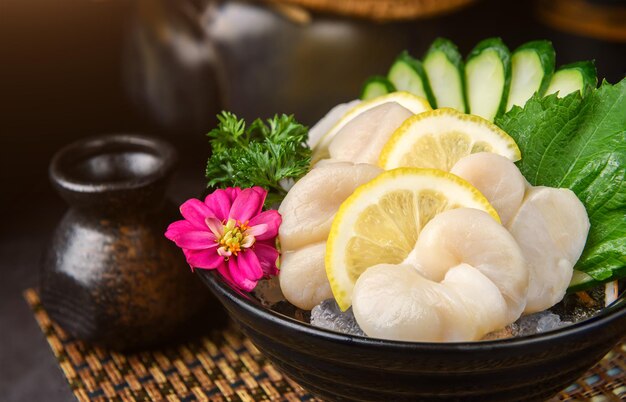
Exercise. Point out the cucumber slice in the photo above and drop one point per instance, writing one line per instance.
(580, 76)
(376, 86)
(407, 74)
(444, 68)
(487, 78)
(532, 66)
(581, 281)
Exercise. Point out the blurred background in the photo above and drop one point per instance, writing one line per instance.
(75, 68)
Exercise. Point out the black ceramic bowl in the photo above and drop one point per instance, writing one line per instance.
(342, 367)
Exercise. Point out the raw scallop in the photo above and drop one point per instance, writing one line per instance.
(497, 178)
(478, 286)
(362, 139)
(551, 228)
(307, 212)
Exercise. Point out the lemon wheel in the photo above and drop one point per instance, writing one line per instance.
(437, 139)
(380, 222)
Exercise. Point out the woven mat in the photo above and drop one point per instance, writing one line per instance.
(225, 366)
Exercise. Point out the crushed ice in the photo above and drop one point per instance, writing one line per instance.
(537, 323)
(268, 292)
(328, 315)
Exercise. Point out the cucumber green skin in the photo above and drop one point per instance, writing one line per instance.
(505, 56)
(449, 49)
(583, 286)
(587, 70)
(547, 56)
(376, 80)
(416, 66)
(592, 283)
(586, 283)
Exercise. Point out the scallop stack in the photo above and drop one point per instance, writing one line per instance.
(420, 221)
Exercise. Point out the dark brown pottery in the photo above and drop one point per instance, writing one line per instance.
(109, 275)
(339, 367)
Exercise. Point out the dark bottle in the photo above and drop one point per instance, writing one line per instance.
(109, 275)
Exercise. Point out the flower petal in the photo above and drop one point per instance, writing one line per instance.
(232, 192)
(262, 192)
(257, 230)
(249, 265)
(215, 226)
(248, 241)
(268, 256)
(222, 251)
(205, 259)
(195, 211)
(196, 240)
(247, 205)
(239, 278)
(175, 229)
(223, 270)
(187, 253)
(270, 218)
(219, 202)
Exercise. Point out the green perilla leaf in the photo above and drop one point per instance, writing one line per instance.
(580, 143)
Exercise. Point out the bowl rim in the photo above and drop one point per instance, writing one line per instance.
(218, 285)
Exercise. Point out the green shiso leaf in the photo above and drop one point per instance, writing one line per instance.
(580, 144)
(271, 154)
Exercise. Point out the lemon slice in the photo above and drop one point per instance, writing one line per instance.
(379, 223)
(416, 104)
(437, 139)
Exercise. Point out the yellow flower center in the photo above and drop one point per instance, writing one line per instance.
(234, 238)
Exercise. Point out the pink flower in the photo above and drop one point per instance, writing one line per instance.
(230, 233)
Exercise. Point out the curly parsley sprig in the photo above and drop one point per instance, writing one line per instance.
(271, 154)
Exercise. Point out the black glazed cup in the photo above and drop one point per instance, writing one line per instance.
(338, 367)
(113, 174)
(109, 275)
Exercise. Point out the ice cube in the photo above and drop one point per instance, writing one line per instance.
(525, 325)
(536, 323)
(550, 321)
(268, 291)
(328, 315)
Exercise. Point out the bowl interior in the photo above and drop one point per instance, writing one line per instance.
(288, 315)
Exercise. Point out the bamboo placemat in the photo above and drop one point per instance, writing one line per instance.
(225, 366)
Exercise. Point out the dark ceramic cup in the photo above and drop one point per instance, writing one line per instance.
(339, 367)
(109, 275)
